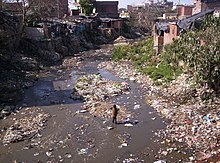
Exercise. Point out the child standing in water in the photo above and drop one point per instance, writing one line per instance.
(114, 114)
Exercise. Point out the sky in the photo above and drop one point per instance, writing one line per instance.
(124, 3)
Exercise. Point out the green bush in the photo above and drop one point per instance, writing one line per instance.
(146, 61)
(199, 53)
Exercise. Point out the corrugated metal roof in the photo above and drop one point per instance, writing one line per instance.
(186, 23)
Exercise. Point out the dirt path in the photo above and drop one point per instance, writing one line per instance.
(69, 136)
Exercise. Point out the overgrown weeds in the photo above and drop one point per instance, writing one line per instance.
(196, 53)
(145, 59)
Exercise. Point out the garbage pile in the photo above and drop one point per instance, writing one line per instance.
(97, 93)
(194, 122)
(125, 70)
(25, 128)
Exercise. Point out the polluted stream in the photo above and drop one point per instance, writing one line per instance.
(68, 135)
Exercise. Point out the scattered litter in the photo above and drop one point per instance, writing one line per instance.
(36, 154)
(67, 155)
(128, 125)
(81, 111)
(137, 107)
(49, 154)
(83, 151)
(25, 128)
(160, 161)
(110, 128)
(123, 145)
(96, 92)
(164, 153)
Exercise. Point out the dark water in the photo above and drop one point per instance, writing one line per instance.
(61, 135)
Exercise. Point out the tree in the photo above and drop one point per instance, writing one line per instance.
(35, 8)
(87, 6)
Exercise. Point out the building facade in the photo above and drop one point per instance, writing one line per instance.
(184, 11)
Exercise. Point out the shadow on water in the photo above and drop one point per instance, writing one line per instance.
(52, 90)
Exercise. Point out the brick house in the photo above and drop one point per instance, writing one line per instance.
(202, 5)
(166, 32)
(107, 9)
(184, 11)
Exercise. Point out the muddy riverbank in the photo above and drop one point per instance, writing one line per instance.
(70, 134)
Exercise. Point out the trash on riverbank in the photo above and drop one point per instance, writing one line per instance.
(137, 107)
(81, 111)
(83, 151)
(128, 125)
(26, 127)
(193, 121)
(123, 145)
(110, 128)
(160, 161)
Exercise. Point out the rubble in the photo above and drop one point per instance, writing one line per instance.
(193, 121)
